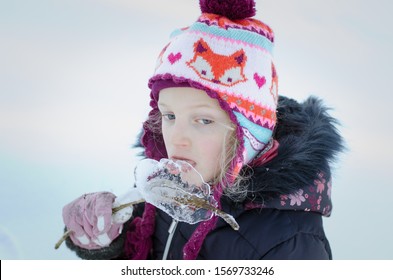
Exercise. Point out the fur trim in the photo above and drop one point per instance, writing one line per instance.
(309, 142)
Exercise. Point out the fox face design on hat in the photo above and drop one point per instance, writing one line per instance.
(227, 54)
(220, 69)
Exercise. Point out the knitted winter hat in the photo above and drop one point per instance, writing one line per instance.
(229, 55)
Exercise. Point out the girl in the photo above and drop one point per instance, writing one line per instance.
(215, 105)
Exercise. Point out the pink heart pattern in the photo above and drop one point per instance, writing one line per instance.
(174, 57)
(260, 80)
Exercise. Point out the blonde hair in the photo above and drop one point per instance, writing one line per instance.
(233, 188)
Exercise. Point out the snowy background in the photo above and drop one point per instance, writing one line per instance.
(73, 95)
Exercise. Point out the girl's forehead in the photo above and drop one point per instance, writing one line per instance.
(186, 97)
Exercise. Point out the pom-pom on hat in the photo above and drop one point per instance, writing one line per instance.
(235, 9)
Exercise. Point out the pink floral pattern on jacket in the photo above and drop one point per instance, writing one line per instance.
(315, 198)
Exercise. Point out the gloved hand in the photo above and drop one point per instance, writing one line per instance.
(90, 220)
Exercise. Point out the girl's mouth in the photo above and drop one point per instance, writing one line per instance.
(189, 161)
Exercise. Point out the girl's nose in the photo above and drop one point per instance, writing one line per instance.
(180, 135)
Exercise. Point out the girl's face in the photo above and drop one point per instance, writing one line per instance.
(195, 129)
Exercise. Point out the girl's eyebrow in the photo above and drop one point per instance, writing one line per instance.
(197, 106)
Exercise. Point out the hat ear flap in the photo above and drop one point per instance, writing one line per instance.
(152, 138)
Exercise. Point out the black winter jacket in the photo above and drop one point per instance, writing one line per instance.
(281, 217)
(267, 234)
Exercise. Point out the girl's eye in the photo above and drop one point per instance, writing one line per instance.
(204, 121)
(169, 117)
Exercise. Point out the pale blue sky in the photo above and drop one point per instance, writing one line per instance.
(73, 95)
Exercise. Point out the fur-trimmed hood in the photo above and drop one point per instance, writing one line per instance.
(299, 176)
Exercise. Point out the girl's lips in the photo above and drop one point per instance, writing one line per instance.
(191, 162)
